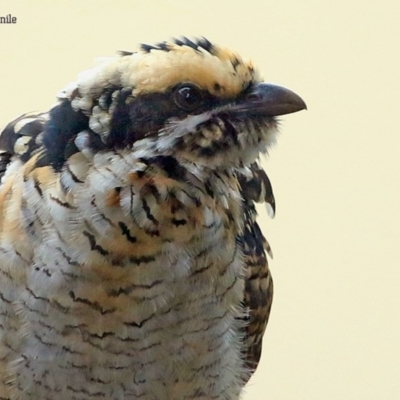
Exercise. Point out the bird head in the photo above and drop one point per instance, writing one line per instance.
(192, 100)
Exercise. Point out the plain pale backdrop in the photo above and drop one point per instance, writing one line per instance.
(334, 329)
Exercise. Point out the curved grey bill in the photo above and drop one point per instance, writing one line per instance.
(266, 99)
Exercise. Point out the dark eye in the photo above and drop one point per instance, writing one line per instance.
(188, 97)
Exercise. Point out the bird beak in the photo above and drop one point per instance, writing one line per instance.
(271, 100)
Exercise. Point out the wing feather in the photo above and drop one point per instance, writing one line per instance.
(258, 280)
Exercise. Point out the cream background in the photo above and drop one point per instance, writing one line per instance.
(334, 329)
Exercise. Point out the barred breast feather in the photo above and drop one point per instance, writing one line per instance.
(131, 262)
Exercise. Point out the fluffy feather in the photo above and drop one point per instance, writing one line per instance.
(131, 261)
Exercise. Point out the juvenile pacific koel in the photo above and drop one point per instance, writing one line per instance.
(131, 262)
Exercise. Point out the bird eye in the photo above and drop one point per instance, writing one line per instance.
(188, 97)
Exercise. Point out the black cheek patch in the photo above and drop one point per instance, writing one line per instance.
(135, 118)
(120, 121)
(63, 126)
(141, 117)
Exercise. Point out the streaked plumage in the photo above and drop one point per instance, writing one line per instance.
(131, 262)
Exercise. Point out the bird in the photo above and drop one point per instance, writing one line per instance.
(132, 264)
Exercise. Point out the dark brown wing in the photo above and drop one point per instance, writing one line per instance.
(21, 137)
(258, 284)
